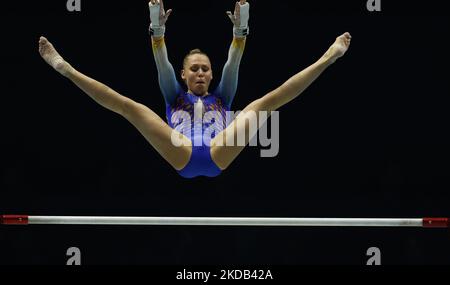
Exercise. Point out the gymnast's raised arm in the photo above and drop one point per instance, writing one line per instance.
(166, 74)
(229, 81)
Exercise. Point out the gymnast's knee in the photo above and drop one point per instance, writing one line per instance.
(264, 103)
(130, 109)
(126, 108)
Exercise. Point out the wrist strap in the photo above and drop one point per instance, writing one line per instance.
(241, 32)
(156, 31)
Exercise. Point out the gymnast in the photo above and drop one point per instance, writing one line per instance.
(188, 157)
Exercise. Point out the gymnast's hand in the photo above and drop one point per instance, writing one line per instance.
(158, 17)
(240, 18)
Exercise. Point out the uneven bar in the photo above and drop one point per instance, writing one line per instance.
(225, 221)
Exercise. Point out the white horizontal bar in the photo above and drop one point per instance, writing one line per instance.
(226, 221)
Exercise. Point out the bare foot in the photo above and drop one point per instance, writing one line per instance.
(339, 47)
(52, 57)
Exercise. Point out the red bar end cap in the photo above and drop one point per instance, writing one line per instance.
(435, 222)
(14, 220)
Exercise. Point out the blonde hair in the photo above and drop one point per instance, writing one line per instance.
(192, 52)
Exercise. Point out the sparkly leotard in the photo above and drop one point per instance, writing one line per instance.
(200, 118)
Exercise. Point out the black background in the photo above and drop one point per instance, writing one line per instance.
(367, 139)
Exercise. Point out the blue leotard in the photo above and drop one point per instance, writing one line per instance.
(198, 130)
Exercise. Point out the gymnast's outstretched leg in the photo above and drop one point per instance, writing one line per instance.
(149, 124)
(221, 151)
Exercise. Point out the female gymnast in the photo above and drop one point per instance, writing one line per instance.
(187, 156)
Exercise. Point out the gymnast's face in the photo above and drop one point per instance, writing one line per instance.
(197, 74)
